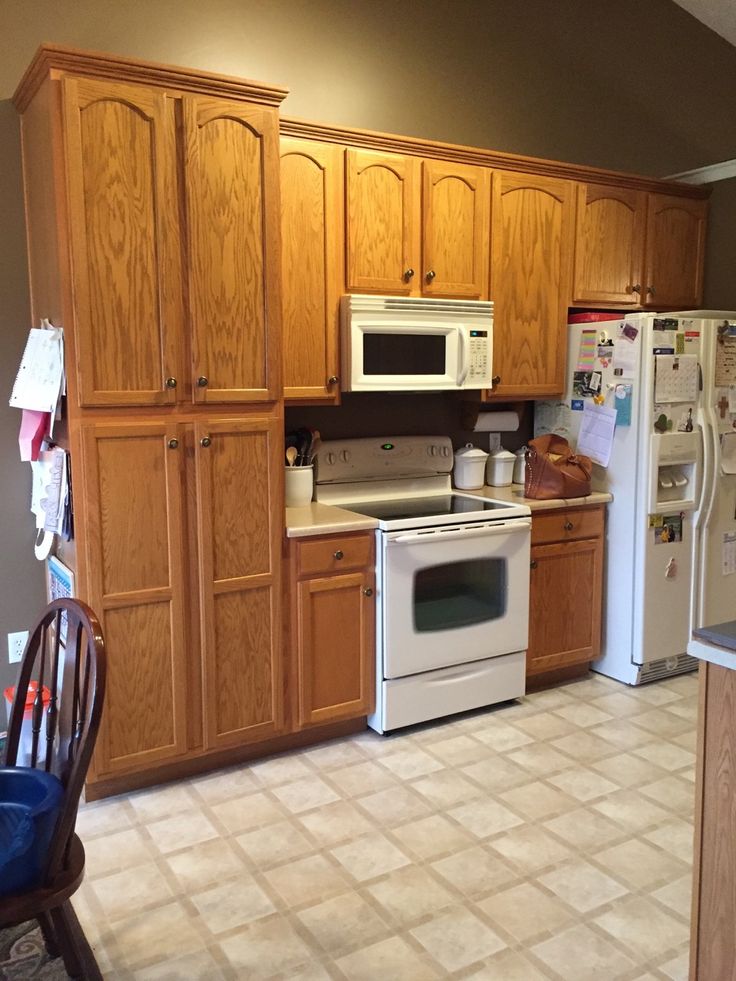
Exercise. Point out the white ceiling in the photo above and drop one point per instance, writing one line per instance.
(719, 15)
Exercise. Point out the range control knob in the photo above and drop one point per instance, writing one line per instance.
(445, 451)
(345, 455)
(330, 458)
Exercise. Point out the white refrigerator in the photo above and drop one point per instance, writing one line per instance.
(671, 526)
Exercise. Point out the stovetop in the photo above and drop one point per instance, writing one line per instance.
(440, 506)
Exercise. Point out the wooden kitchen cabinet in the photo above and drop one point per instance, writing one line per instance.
(531, 264)
(675, 252)
(183, 569)
(566, 589)
(402, 239)
(134, 258)
(312, 264)
(332, 628)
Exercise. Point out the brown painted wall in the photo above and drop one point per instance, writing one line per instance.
(628, 85)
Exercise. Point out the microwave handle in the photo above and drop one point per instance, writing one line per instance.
(463, 345)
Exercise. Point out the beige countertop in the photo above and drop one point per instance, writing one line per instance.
(324, 519)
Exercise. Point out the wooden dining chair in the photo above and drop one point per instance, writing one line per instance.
(66, 654)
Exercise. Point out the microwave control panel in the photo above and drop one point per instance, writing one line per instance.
(479, 370)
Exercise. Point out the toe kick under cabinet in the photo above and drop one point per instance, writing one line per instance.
(565, 596)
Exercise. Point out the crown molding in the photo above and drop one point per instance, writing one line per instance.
(707, 175)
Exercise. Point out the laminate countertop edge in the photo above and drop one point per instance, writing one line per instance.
(326, 519)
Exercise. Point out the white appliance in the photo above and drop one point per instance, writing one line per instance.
(404, 343)
(452, 578)
(649, 368)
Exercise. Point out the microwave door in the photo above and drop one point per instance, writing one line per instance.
(387, 358)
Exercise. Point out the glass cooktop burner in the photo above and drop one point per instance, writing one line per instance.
(425, 507)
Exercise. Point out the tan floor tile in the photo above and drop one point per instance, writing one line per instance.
(677, 895)
(620, 733)
(410, 763)
(686, 708)
(115, 852)
(432, 836)
(410, 894)
(666, 755)
(164, 933)
(457, 939)
(200, 966)
(126, 893)
(582, 886)
(579, 954)
(627, 770)
(369, 856)
(640, 864)
(640, 926)
(525, 911)
(675, 836)
(395, 805)
(583, 747)
(309, 972)
(343, 922)
(585, 829)
(546, 725)
(361, 778)
(582, 784)
(265, 949)
(103, 818)
(508, 965)
(551, 698)
(280, 769)
(687, 740)
(211, 861)
(341, 752)
(305, 880)
(582, 714)
(392, 958)
(530, 848)
(502, 737)
(661, 722)
(617, 704)
(243, 813)
(485, 817)
(232, 904)
(445, 788)
(161, 802)
(274, 844)
(181, 831)
(677, 969)
(458, 750)
(591, 687)
(233, 782)
(632, 811)
(475, 871)
(655, 694)
(336, 822)
(496, 774)
(537, 800)
(540, 759)
(303, 795)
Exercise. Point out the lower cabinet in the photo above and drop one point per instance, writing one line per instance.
(332, 627)
(566, 587)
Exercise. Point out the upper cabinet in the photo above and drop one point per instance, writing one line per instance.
(609, 245)
(312, 265)
(416, 227)
(146, 231)
(531, 262)
(675, 251)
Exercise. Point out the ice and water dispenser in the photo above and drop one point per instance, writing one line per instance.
(674, 471)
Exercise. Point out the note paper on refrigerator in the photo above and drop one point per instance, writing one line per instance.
(596, 432)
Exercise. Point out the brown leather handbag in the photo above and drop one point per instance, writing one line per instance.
(553, 470)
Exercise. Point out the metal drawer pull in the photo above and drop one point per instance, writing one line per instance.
(171, 382)
(203, 381)
(533, 564)
(569, 526)
(173, 443)
(339, 554)
(368, 591)
(205, 441)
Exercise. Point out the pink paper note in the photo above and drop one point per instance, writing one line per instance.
(33, 427)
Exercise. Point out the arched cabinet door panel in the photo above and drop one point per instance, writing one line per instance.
(675, 251)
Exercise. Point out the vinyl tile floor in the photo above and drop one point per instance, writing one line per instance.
(549, 838)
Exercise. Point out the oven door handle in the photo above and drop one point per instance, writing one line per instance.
(450, 534)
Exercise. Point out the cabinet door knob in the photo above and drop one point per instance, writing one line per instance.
(203, 381)
(408, 274)
(569, 526)
(430, 275)
(496, 380)
(173, 443)
(205, 441)
(333, 380)
(171, 382)
(368, 591)
(651, 289)
(339, 554)
(533, 564)
(636, 288)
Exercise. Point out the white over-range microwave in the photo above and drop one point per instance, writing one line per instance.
(409, 344)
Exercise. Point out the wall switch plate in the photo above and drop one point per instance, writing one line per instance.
(16, 645)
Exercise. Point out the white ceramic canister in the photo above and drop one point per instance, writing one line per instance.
(298, 486)
(500, 468)
(470, 465)
(520, 466)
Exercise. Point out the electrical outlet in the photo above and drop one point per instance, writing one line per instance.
(16, 645)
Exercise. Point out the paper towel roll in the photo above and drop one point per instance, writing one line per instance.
(497, 422)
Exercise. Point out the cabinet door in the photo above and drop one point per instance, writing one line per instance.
(312, 234)
(675, 251)
(133, 534)
(531, 261)
(125, 237)
(609, 245)
(382, 222)
(564, 604)
(234, 272)
(455, 228)
(239, 491)
(335, 648)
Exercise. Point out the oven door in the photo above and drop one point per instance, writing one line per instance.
(454, 594)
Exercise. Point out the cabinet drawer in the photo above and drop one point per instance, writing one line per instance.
(560, 526)
(334, 554)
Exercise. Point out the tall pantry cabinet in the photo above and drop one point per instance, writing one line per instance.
(153, 231)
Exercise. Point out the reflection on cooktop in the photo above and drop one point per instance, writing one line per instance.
(425, 507)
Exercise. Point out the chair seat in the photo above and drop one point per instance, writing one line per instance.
(27, 905)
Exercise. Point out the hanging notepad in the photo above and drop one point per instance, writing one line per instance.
(676, 378)
(40, 379)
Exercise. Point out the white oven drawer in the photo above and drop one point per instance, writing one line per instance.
(433, 694)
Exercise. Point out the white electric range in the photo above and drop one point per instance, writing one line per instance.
(452, 577)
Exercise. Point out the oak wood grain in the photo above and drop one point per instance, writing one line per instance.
(675, 247)
(567, 525)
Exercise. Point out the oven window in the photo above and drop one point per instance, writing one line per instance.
(459, 594)
(403, 354)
